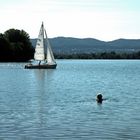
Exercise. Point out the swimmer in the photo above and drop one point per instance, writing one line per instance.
(99, 98)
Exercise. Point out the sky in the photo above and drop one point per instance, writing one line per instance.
(101, 19)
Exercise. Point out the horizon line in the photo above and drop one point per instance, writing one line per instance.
(121, 38)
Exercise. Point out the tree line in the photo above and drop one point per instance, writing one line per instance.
(102, 55)
(15, 46)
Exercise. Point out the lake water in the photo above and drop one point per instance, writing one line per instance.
(60, 104)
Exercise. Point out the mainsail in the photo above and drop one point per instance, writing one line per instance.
(39, 50)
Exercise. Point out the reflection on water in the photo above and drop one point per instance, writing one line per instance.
(42, 82)
(61, 103)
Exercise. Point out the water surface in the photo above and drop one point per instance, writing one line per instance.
(60, 104)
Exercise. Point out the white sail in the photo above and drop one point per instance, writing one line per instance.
(50, 56)
(39, 50)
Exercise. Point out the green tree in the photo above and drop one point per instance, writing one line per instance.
(5, 50)
(20, 44)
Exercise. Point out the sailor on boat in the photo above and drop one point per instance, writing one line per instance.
(39, 63)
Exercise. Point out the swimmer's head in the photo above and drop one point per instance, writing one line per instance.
(99, 98)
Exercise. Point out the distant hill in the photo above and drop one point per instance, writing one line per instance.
(71, 45)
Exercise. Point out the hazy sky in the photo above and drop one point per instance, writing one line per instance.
(101, 19)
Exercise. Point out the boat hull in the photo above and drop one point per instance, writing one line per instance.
(45, 66)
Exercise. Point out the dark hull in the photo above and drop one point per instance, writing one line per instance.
(45, 66)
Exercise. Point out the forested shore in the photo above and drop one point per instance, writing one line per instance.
(15, 46)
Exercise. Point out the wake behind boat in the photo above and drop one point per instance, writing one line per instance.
(43, 57)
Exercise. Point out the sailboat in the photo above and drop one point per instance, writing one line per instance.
(43, 56)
